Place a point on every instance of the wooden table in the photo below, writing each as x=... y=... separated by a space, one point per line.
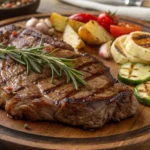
x=56 y=6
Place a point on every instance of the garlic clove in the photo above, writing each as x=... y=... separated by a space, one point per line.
x=104 y=50
x=41 y=26
x=48 y=22
x=32 y=23
x=41 y=20
x=51 y=31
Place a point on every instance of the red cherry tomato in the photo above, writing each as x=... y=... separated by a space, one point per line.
x=105 y=20
x=83 y=17
x=123 y=28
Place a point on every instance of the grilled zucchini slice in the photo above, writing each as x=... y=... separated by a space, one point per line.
x=142 y=93
x=134 y=73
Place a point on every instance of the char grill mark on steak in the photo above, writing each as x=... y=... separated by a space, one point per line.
x=90 y=71
x=12 y=71
x=62 y=90
x=15 y=75
x=21 y=81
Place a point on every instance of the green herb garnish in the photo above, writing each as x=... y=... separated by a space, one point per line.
x=35 y=59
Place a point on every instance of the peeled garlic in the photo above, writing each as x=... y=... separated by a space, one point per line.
x=41 y=20
x=104 y=50
x=48 y=22
x=51 y=31
x=31 y=23
x=41 y=26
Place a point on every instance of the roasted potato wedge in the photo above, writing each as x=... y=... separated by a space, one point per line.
x=58 y=21
x=75 y=24
x=72 y=38
x=94 y=34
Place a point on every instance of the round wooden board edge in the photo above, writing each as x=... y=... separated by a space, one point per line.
x=44 y=142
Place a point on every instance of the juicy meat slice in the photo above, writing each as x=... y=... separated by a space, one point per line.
x=34 y=97
x=29 y=38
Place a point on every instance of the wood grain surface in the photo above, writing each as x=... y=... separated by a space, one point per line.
x=131 y=133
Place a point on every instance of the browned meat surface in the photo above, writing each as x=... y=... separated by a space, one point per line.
x=29 y=38
x=34 y=97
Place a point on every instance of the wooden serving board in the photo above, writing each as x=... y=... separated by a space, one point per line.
x=131 y=133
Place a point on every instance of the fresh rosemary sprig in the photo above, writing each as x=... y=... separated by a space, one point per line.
x=35 y=59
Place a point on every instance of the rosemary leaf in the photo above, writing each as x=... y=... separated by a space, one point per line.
x=57 y=49
x=10 y=47
x=35 y=59
x=27 y=64
x=2 y=56
x=34 y=66
x=41 y=42
x=13 y=56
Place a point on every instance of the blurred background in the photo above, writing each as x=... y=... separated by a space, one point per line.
x=52 y=5
x=11 y=8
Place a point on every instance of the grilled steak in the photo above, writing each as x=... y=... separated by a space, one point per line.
x=34 y=97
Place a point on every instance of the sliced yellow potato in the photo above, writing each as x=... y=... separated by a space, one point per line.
x=58 y=21
x=138 y=45
x=94 y=34
x=72 y=38
x=75 y=24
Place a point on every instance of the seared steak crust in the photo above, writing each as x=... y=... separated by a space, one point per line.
x=34 y=97
x=29 y=38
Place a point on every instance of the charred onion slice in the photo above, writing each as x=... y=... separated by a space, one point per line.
x=138 y=45
x=142 y=92
x=134 y=73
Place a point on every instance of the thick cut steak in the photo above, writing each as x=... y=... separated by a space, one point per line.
x=34 y=97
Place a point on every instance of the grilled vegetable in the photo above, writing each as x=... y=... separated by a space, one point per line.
x=134 y=73
x=106 y=20
x=83 y=17
x=123 y=28
x=75 y=24
x=138 y=45
x=72 y=38
x=58 y=21
x=94 y=34
x=120 y=53
x=142 y=93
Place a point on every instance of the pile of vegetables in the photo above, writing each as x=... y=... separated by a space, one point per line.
x=81 y=29
x=109 y=21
